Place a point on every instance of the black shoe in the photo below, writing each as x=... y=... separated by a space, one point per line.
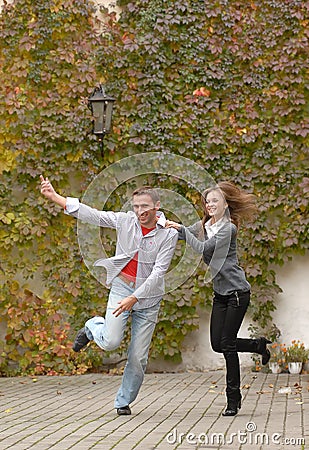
x=81 y=340
x=232 y=408
x=263 y=350
x=124 y=411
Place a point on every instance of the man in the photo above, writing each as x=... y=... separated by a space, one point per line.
x=144 y=251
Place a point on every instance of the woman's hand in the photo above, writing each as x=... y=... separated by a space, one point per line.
x=171 y=224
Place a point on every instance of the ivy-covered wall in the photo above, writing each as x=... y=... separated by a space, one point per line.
x=222 y=83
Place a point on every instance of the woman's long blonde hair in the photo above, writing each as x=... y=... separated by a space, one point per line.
x=241 y=205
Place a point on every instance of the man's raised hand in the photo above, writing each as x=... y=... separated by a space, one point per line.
x=46 y=187
x=49 y=192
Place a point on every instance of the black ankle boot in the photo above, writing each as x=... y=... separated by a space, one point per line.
x=263 y=350
x=232 y=408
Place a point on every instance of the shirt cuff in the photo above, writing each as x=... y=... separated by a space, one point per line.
x=72 y=205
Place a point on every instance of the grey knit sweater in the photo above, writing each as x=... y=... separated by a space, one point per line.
x=220 y=254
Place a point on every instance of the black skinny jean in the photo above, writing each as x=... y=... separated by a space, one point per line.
x=227 y=315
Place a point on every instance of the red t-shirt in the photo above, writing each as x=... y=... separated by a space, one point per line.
x=130 y=269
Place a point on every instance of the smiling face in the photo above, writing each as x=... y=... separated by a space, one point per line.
x=146 y=210
x=215 y=205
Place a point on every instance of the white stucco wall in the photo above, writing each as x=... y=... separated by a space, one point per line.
x=291 y=317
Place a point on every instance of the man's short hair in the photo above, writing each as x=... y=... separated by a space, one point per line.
x=147 y=190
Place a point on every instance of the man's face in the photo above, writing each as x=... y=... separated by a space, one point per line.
x=146 y=210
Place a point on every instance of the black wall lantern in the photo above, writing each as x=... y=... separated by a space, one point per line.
x=101 y=106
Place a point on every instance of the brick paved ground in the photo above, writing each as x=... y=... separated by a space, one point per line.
x=172 y=411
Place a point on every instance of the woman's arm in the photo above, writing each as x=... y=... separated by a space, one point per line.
x=196 y=229
x=220 y=241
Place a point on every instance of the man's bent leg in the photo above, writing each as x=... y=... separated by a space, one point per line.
x=108 y=332
x=143 y=325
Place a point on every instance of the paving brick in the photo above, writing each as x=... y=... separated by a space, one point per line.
x=172 y=411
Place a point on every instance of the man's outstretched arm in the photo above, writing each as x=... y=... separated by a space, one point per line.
x=49 y=192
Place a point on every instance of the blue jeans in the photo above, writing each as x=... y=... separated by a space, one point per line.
x=108 y=333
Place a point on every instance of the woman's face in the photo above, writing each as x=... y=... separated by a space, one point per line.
x=215 y=205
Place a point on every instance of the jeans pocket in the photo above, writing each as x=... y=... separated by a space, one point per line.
x=151 y=314
x=242 y=299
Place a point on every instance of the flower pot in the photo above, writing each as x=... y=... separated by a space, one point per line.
x=295 y=367
x=274 y=367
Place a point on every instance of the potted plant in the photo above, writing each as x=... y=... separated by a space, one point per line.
x=277 y=360
x=297 y=354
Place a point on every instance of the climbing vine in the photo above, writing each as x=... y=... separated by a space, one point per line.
x=222 y=83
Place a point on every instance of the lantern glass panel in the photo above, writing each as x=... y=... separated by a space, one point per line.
x=98 y=114
x=108 y=115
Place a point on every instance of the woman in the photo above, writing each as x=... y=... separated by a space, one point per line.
x=224 y=207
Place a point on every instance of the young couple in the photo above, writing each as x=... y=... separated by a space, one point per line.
x=145 y=246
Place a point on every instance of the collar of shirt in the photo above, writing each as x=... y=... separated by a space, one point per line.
x=212 y=230
x=161 y=219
